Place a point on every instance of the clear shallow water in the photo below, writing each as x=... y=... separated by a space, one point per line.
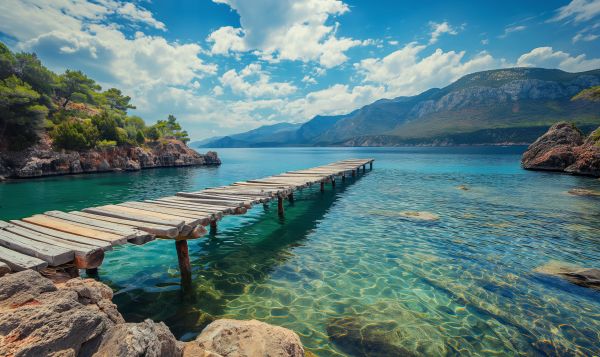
x=461 y=285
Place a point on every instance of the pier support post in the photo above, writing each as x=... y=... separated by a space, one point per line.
x=280 y=210
x=213 y=226
x=333 y=182
x=370 y=165
x=322 y=186
x=353 y=173
x=344 y=178
x=185 y=268
x=291 y=197
x=364 y=168
x=92 y=272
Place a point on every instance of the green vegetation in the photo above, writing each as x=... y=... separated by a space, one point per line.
x=70 y=107
x=592 y=94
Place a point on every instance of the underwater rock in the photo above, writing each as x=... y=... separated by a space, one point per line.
x=421 y=216
x=586 y=277
x=584 y=192
x=233 y=338
x=462 y=187
x=360 y=338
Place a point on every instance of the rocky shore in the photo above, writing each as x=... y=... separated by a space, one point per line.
x=565 y=148
x=78 y=318
x=42 y=160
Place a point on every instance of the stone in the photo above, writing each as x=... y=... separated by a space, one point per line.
x=4 y=269
x=585 y=277
x=463 y=187
x=584 y=192
x=564 y=148
x=233 y=338
x=358 y=338
x=419 y=215
x=191 y=349
x=148 y=338
x=19 y=288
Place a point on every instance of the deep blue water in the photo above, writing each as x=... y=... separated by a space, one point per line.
x=463 y=284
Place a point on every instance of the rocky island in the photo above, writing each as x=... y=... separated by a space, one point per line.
x=565 y=148
x=57 y=124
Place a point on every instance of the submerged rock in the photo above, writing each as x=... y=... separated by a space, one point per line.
x=233 y=338
x=564 y=148
x=586 y=277
x=462 y=187
x=359 y=338
x=415 y=215
x=584 y=192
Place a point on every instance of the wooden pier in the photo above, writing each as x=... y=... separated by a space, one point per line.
x=80 y=238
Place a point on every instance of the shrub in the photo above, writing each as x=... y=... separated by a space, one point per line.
x=106 y=144
x=139 y=137
x=75 y=135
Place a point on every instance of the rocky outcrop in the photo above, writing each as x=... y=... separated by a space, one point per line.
x=586 y=277
x=233 y=338
x=564 y=148
x=42 y=160
x=78 y=318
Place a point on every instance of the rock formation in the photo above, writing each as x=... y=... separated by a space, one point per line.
x=78 y=318
x=564 y=148
x=586 y=277
x=42 y=160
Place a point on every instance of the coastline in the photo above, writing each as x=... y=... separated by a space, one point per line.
x=41 y=160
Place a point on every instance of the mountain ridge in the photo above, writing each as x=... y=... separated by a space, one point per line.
x=513 y=105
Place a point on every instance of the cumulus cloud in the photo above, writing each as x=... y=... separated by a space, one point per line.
x=578 y=11
x=548 y=58
x=439 y=29
x=285 y=30
x=406 y=72
x=253 y=82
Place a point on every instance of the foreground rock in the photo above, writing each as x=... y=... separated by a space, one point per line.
x=233 y=338
x=42 y=160
x=564 y=148
x=78 y=318
x=586 y=277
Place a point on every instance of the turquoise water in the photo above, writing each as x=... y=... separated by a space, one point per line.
x=345 y=259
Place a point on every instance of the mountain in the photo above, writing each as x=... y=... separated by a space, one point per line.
x=514 y=105
x=267 y=135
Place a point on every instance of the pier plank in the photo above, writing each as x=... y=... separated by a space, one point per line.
x=155 y=229
x=4 y=269
x=18 y=262
x=186 y=220
x=203 y=218
x=110 y=211
x=49 y=222
x=63 y=235
x=51 y=254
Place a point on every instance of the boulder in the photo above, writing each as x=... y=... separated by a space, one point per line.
x=564 y=148
x=148 y=338
x=233 y=338
x=586 y=277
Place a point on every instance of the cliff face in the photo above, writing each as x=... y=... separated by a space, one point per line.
x=41 y=160
x=564 y=148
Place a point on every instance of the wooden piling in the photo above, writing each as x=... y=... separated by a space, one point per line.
x=343 y=178
x=364 y=168
x=280 y=210
x=213 y=226
x=291 y=197
x=371 y=166
x=322 y=186
x=333 y=182
x=353 y=173
x=185 y=268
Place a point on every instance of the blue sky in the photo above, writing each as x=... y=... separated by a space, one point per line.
x=226 y=66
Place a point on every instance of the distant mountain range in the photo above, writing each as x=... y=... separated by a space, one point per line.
x=505 y=106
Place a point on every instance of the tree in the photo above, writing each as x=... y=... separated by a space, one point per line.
x=107 y=126
x=76 y=86
x=75 y=134
x=7 y=62
x=31 y=70
x=21 y=115
x=117 y=101
x=140 y=138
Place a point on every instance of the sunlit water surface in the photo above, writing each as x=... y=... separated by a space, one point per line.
x=464 y=284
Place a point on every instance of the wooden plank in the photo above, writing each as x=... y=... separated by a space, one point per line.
x=159 y=230
x=191 y=202
x=51 y=254
x=187 y=207
x=3 y=224
x=49 y=222
x=63 y=235
x=185 y=220
x=127 y=232
x=204 y=217
x=222 y=202
x=133 y=235
x=86 y=257
x=106 y=211
x=251 y=200
x=18 y=262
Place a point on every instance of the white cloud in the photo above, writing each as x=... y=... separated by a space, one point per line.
x=217 y=91
x=485 y=41
x=584 y=37
x=285 y=30
x=309 y=80
x=253 y=82
x=393 y=42
x=578 y=11
x=439 y=29
x=511 y=29
x=134 y=13
x=405 y=72
x=548 y=58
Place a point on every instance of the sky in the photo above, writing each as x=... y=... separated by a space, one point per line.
x=227 y=66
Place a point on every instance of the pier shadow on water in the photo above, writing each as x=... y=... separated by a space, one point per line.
x=244 y=250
